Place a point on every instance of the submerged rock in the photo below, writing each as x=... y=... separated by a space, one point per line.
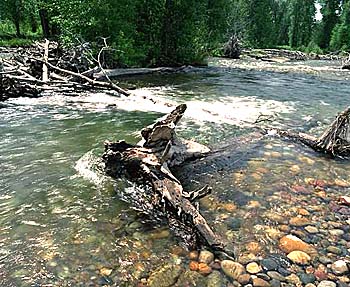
x=165 y=276
x=206 y=257
x=340 y=267
x=299 y=257
x=232 y=269
x=291 y=243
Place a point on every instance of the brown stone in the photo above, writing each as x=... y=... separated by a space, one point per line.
x=204 y=269
x=232 y=269
x=299 y=257
x=258 y=282
x=244 y=279
x=254 y=247
x=193 y=255
x=291 y=243
x=299 y=221
x=253 y=268
x=193 y=265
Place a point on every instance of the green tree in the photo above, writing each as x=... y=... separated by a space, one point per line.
x=13 y=11
x=330 y=12
x=302 y=19
x=341 y=33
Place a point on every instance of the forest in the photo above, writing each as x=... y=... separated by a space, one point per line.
x=177 y=32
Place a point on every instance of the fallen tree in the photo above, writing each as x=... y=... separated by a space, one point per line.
x=45 y=67
x=150 y=164
x=335 y=140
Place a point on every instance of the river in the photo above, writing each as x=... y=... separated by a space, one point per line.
x=61 y=222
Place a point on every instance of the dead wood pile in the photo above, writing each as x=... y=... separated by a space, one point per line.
x=46 y=68
x=149 y=165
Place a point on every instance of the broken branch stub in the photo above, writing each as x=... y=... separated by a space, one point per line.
x=145 y=166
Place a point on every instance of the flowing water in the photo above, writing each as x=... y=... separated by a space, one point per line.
x=61 y=222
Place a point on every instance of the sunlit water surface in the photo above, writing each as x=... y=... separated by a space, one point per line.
x=61 y=222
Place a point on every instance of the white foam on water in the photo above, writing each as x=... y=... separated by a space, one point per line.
x=233 y=110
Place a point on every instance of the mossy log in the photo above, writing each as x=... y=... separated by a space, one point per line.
x=149 y=165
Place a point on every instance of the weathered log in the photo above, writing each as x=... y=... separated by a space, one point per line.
x=335 y=141
x=148 y=166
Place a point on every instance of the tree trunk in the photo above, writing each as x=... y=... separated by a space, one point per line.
x=44 y=22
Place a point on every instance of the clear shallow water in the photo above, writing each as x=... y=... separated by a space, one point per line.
x=62 y=224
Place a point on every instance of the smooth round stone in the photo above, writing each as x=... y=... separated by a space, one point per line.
x=253 y=268
x=324 y=260
x=244 y=279
x=232 y=269
x=311 y=229
x=206 y=257
x=275 y=275
x=299 y=221
x=327 y=283
x=291 y=243
x=310 y=285
x=258 y=282
x=339 y=267
x=307 y=278
x=269 y=264
x=334 y=250
x=336 y=232
x=284 y=271
x=294 y=279
x=299 y=257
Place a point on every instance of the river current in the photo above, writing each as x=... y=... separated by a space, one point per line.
x=61 y=222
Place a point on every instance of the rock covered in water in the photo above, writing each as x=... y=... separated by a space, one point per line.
x=189 y=278
x=165 y=276
x=291 y=243
x=253 y=268
x=214 y=279
x=327 y=283
x=340 y=267
x=206 y=257
x=299 y=257
x=232 y=269
x=258 y=282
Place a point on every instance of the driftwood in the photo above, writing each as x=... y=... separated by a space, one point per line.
x=42 y=68
x=335 y=141
x=149 y=165
x=233 y=48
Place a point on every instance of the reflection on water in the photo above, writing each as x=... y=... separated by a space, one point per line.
x=61 y=222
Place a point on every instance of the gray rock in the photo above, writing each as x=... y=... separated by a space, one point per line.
x=275 y=283
x=269 y=264
x=275 y=275
x=307 y=278
x=327 y=283
x=334 y=250
x=325 y=260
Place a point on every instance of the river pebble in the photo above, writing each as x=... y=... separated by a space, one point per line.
x=311 y=229
x=253 y=268
x=340 y=267
x=206 y=257
x=232 y=269
x=244 y=279
x=327 y=283
x=299 y=257
x=215 y=279
x=275 y=275
x=258 y=282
